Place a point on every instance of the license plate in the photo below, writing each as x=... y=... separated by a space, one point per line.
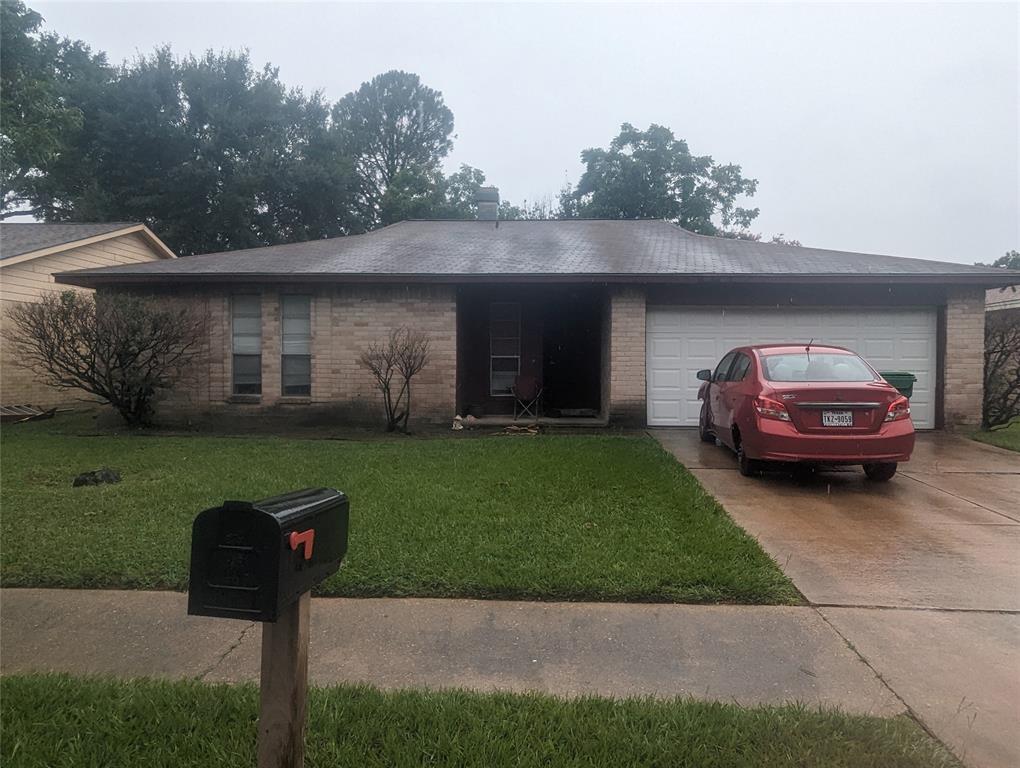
x=837 y=418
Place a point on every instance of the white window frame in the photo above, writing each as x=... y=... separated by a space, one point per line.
x=517 y=307
x=284 y=341
x=234 y=354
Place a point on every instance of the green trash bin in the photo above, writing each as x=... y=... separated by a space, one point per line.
x=902 y=380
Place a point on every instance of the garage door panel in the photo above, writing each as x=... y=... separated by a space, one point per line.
x=701 y=348
x=683 y=341
x=915 y=349
x=879 y=351
x=666 y=379
x=667 y=348
x=664 y=410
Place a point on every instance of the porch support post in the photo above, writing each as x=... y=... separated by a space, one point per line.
x=626 y=359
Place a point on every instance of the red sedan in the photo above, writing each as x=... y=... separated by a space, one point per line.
x=805 y=404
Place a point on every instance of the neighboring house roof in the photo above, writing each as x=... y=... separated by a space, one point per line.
x=603 y=250
x=19 y=242
x=1003 y=298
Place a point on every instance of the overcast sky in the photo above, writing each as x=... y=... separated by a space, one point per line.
x=878 y=128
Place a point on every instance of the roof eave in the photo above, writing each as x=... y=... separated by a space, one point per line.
x=95 y=280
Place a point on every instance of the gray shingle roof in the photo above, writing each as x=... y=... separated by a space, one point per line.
x=459 y=251
x=17 y=238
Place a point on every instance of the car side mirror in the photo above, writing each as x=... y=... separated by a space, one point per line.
x=705 y=374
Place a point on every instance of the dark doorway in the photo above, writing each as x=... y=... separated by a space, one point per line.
x=550 y=332
x=571 y=364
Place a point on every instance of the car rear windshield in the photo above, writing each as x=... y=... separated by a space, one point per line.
x=815 y=366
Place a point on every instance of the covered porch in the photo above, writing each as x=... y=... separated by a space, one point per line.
x=552 y=337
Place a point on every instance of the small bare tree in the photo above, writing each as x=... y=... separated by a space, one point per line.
x=123 y=349
x=1002 y=369
x=396 y=361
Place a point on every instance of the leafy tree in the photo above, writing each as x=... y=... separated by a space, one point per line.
x=1010 y=260
x=652 y=174
x=459 y=192
x=38 y=72
x=744 y=234
x=314 y=192
x=397 y=130
x=215 y=154
x=536 y=211
x=124 y=349
x=210 y=152
x=431 y=195
x=411 y=194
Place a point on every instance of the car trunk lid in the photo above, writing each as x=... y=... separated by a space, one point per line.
x=836 y=409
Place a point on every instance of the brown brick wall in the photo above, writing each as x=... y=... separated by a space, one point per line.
x=963 y=377
x=345 y=321
x=627 y=356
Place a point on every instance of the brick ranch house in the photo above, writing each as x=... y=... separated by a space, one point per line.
x=29 y=256
x=614 y=317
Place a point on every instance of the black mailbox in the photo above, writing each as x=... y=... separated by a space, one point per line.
x=249 y=559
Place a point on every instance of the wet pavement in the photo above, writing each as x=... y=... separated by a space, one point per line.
x=920 y=574
x=567 y=649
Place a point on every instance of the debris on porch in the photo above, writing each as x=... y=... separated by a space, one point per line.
x=514 y=429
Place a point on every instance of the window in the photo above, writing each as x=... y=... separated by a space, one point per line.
x=816 y=366
x=723 y=368
x=296 y=363
x=246 y=345
x=739 y=369
x=504 y=347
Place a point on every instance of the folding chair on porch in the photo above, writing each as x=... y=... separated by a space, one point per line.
x=527 y=391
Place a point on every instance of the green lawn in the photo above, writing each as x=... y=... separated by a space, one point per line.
x=552 y=517
x=56 y=721
x=1009 y=437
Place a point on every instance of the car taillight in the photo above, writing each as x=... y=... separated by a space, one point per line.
x=898 y=409
x=771 y=409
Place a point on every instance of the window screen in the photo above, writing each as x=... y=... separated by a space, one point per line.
x=504 y=347
x=246 y=344
x=296 y=362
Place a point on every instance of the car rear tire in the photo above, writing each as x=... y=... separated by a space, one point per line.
x=704 y=432
x=748 y=467
x=881 y=472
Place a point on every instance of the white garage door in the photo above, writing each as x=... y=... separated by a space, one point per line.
x=682 y=341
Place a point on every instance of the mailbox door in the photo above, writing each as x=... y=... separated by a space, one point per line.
x=234 y=563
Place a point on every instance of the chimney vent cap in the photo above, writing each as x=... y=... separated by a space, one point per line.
x=487 y=195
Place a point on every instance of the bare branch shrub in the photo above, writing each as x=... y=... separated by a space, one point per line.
x=123 y=349
x=395 y=362
x=1002 y=369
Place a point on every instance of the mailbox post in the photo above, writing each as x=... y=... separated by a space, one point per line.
x=259 y=561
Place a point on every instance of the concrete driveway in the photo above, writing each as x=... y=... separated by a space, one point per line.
x=920 y=575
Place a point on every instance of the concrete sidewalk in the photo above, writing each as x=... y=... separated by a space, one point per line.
x=746 y=654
